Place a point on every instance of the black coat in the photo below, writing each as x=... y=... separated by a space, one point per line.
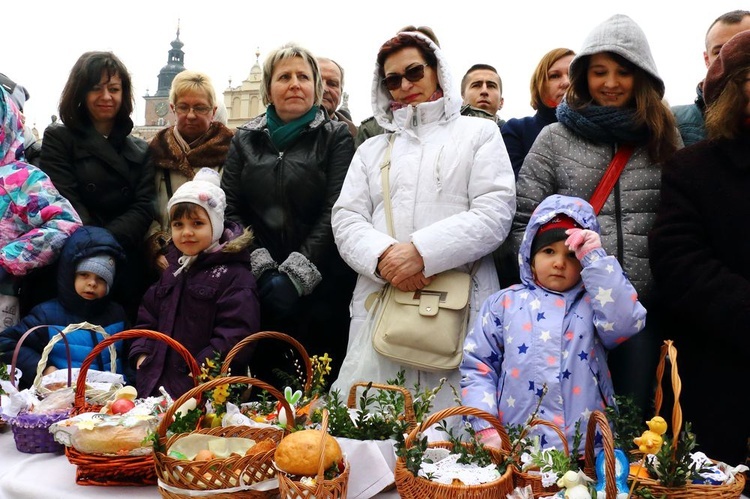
x=699 y=251
x=286 y=198
x=109 y=181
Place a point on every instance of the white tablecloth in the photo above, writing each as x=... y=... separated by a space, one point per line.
x=36 y=476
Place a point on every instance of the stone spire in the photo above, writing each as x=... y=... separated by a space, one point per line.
x=175 y=65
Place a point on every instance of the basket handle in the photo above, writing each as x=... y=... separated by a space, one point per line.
x=548 y=424
x=262 y=335
x=44 y=357
x=197 y=390
x=409 y=415
x=61 y=335
x=460 y=410
x=598 y=420
x=668 y=350
x=80 y=397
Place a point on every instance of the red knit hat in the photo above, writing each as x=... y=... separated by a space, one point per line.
x=553 y=231
x=734 y=55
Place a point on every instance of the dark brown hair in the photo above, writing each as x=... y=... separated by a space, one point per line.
x=650 y=111
x=184 y=209
x=86 y=74
x=478 y=67
x=725 y=115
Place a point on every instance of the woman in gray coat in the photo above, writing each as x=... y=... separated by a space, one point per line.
x=614 y=100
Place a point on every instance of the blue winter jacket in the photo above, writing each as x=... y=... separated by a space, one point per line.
x=526 y=336
x=67 y=308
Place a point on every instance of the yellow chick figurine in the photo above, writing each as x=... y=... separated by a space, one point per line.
x=651 y=440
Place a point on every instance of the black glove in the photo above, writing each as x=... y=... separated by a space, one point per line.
x=277 y=293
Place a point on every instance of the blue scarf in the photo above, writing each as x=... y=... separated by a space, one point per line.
x=603 y=124
x=283 y=134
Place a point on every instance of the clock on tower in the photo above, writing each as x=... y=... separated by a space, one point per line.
x=161 y=109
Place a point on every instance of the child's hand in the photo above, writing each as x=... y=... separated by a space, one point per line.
x=582 y=241
x=48 y=369
x=490 y=438
x=140 y=360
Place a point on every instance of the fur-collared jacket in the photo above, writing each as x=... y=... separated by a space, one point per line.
x=208 y=307
x=173 y=166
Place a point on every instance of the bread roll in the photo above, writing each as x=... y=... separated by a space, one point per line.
x=299 y=453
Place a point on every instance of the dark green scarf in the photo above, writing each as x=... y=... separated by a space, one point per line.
x=282 y=134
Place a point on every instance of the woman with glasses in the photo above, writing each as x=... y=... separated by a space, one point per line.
x=103 y=170
x=452 y=194
x=282 y=175
x=195 y=141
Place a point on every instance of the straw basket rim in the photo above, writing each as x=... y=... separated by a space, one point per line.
x=415 y=487
x=691 y=490
x=334 y=488
x=93 y=469
x=524 y=478
x=213 y=475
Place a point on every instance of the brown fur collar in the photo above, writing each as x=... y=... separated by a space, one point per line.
x=208 y=151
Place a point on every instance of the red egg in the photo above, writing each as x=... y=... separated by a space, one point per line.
x=121 y=406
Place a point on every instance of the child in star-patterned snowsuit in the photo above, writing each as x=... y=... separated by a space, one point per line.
x=555 y=328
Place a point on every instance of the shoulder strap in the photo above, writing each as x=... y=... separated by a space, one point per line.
x=609 y=179
x=385 y=168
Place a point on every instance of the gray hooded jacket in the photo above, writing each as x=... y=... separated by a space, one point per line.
x=563 y=162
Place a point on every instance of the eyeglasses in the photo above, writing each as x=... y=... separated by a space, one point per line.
x=198 y=110
x=413 y=74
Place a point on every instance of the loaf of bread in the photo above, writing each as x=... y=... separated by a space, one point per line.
x=110 y=439
x=299 y=453
x=94 y=433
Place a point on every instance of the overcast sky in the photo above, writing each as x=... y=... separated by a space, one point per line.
x=47 y=36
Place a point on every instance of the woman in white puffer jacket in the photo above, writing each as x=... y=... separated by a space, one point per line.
x=453 y=199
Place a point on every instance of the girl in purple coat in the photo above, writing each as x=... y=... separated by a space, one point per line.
x=206 y=299
x=574 y=304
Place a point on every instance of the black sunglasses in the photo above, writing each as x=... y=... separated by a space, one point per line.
x=413 y=74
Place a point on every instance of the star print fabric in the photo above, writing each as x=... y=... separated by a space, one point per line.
x=526 y=336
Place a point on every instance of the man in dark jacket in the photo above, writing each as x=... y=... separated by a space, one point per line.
x=689 y=117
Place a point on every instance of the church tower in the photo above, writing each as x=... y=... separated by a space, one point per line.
x=243 y=102
x=157 y=105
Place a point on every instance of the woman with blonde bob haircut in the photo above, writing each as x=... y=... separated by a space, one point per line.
x=179 y=151
x=283 y=53
x=282 y=176
x=699 y=251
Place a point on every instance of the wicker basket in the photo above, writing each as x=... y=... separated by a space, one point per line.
x=117 y=470
x=690 y=491
x=218 y=478
x=598 y=422
x=409 y=416
x=413 y=487
x=534 y=480
x=30 y=430
x=334 y=488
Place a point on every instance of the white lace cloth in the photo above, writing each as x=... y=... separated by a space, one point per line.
x=444 y=468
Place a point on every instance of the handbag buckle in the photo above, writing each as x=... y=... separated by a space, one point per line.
x=429 y=301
